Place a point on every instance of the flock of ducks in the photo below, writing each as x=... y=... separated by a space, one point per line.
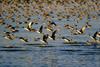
x=50 y=26
x=10 y=35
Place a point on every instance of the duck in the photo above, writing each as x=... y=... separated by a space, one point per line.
x=88 y=25
x=94 y=37
x=44 y=39
x=96 y=34
x=52 y=23
x=30 y=24
x=23 y=39
x=8 y=26
x=9 y=36
x=40 y=29
x=78 y=32
x=66 y=40
x=49 y=27
x=67 y=26
x=29 y=27
x=13 y=30
x=53 y=35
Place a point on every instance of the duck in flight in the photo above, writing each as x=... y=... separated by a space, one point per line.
x=96 y=34
x=49 y=28
x=78 y=32
x=52 y=23
x=40 y=29
x=66 y=40
x=53 y=35
x=23 y=39
x=11 y=28
x=88 y=25
x=44 y=39
x=95 y=37
x=29 y=27
x=9 y=36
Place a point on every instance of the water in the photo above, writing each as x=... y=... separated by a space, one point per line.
x=59 y=56
x=54 y=54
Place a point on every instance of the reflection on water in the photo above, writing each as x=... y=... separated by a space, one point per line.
x=60 y=56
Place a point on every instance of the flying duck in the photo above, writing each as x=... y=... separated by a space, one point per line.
x=53 y=35
x=9 y=36
x=44 y=39
x=29 y=27
x=40 y=29
x=81 y=31
x=23 y=39
x=96 y=34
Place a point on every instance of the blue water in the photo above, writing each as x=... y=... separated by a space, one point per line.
x=59 y=56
